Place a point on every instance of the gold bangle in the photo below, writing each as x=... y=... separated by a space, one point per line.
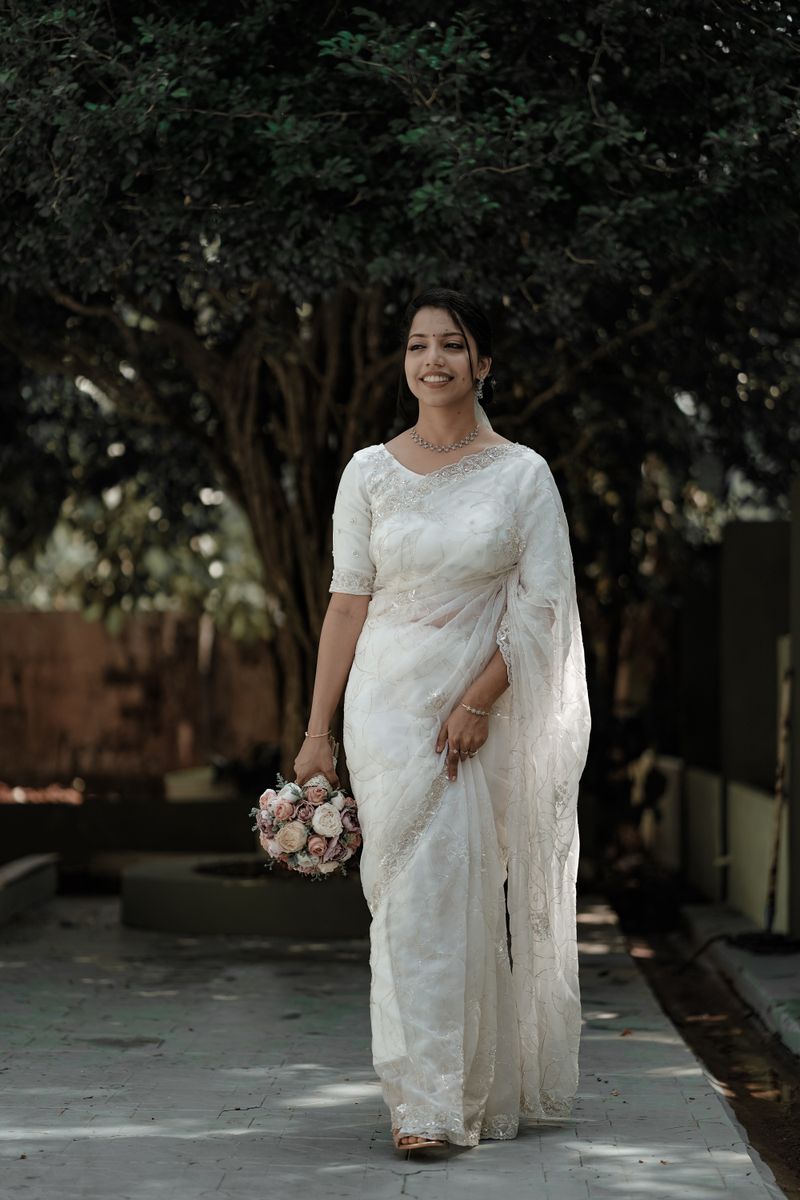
x=325 y=734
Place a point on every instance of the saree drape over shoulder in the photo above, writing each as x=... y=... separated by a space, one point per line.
x=472 y=556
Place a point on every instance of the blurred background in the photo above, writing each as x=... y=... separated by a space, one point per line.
x=211 y=221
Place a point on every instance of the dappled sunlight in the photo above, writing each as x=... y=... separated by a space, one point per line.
x=595 y=914
x=277 y=1071
x=174 y=1127
x=103 y=1092
x=670 y=1072
x=311 y=1109
x=594 y=948
x=330 y=1094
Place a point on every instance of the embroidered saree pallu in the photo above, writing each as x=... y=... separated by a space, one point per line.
x=474 y=555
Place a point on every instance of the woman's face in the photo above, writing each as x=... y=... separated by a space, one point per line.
x=437 y=364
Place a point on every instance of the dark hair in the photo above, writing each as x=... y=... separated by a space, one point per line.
x=468 y=316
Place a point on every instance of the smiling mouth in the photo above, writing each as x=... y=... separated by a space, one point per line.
x=434 y=379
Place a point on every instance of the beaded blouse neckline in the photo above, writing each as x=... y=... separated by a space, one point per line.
x=489 y=452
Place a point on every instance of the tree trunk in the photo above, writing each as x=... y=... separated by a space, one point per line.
x=296 y=394
x=291 y=422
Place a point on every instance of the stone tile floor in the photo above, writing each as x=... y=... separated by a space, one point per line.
x=139 y=1065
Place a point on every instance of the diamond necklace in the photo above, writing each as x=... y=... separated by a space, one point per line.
x=453 y=445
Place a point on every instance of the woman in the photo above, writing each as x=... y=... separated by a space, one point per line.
x=454 y=626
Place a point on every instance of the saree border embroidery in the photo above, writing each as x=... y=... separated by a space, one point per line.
x=504 y=642
x=393 y=861
x=500 y=1127
x=394 y=491
x=344 y=580
x=431 y=1121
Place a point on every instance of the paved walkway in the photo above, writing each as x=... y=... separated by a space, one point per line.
x=137 y=1065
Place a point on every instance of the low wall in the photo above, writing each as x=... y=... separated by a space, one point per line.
x=751 y=828
x=77 y=833
x=708 y=808
x=703 y=838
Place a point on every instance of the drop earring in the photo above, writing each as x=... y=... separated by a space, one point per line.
x=479 y=390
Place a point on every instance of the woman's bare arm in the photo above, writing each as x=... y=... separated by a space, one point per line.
x=337 y=645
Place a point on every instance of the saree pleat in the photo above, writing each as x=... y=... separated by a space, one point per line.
x=462 y=1043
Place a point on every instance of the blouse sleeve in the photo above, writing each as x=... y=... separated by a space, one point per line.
x=353 y=568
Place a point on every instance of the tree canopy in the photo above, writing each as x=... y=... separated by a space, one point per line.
x=214 y=215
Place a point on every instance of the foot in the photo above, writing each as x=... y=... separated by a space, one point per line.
x=415 y=1141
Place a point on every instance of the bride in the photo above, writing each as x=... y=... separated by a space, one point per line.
x=454 y=632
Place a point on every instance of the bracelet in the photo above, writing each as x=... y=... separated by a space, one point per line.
x=479 y=712
x=325 y=734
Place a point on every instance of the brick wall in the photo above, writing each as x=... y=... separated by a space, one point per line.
x=74 y=700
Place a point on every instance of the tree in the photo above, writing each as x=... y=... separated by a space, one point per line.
x=90 y=519
x=215 y=218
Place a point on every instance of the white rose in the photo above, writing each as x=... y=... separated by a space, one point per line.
x=338 y=801
x=326 y=821
x=290 y=791
x=326 y=868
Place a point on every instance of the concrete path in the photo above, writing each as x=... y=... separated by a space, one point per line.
x=136 y=1066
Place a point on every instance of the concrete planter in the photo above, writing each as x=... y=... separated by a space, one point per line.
x=170 y=893
x=27 y=881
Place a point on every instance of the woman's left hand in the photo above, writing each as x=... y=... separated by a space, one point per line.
x=464 y=733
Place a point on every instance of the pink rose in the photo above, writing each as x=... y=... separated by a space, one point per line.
x=304 y=812
x=265 y=797
x=283 y=809
x=349 y=820
x=317 y=845
x=316 y=795
x=332 y=850
x=292 y=837
x=353 y=839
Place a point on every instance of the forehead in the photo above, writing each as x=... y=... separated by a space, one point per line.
x=434 y=322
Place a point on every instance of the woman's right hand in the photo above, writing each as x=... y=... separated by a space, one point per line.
x=315 y=758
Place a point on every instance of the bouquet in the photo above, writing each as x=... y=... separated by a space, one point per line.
x=312 y=828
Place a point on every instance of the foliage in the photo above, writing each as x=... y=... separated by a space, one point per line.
x=214 y=215
x=89 y=519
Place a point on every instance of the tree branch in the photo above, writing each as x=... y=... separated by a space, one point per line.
x=604 y=351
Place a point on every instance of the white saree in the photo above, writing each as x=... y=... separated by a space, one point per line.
x=472 y=556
